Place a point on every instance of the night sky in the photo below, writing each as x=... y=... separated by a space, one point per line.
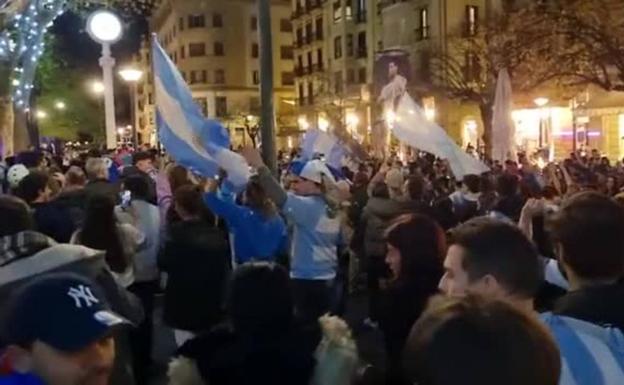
x=82 y=54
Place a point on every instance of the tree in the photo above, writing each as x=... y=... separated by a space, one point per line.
x=23 y=26
x=467 y=68
x=586 y=37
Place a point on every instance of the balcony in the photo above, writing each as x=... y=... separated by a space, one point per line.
x=361 y=53
x=361 y=17
x=299 y=71
x=312 y=4
x=308 y=39
x=299 y=43
x=317 y=67
x=298 y=12
x=319 y=35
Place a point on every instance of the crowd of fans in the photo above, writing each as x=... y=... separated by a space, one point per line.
x=511 y=277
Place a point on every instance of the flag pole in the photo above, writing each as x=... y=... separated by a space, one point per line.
x=267 y=118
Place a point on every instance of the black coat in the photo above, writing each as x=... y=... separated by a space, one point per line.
x=196 y=257
x=600 y=305
x=102 y=186
x=51 y=219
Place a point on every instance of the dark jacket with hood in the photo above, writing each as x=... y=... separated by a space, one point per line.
x=376 y=217
x=196 y=257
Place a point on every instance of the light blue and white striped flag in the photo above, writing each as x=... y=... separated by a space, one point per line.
x=320 y=142
x=199 y=144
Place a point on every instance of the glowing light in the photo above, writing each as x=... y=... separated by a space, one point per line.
x=541 y=163
x=303 y=123
x=323 y=124
x=98 y=87
x=131 y=75
x=290 y=142
x=60 y=105
x=41 y=114
x=352 y=119
x=121 y=131
x=104 y=27
x=541 y=101
x=430 y=113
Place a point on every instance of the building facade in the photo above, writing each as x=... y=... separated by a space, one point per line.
x=334 y=56
x=215 y=45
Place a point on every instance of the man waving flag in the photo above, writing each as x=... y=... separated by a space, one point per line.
x=199 y=144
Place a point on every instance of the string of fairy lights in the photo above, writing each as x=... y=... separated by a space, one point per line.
x=22 y=41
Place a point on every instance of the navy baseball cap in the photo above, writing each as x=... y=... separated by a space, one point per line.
x=65 y=311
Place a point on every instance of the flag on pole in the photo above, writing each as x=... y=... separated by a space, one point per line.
x=320 y=142
x=412 y=127
x=503 y=128
x=199 y=144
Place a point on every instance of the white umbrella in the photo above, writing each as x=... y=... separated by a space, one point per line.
x=503 y=128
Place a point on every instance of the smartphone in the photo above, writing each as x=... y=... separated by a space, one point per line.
x=126 y=197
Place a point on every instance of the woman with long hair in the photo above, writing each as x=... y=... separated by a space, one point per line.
x=416 y=246
x=101 y=231
x=259 y=232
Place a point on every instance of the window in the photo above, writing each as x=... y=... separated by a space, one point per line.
x=254 y=105
x=217 y=20
x=308 y=32
x=300 y=62
x=472 y=67
x=219 y=77
x=183 y=52
x=183 y=75
x=362 y=75
x=337 y=12
x=299 y=37
x=472 y=20
x=197 y=49
x=310 y=63
x=255 y=50
x=255 y=75
x=362 y=49
x=350 y=45
x=288 y=79
x=319 y=58
x=348 y=12
x=254 y=23
x=318 y=26
x=350 y=76
x=423 y=31
x=203 y=105
x=301 y=96
x=181 y=24
x=338 y=47
x=193 y=79
x=311 y=93
x=285 y=25
x=203 y=78
x=338 y=82
x=218 y=49
x=286 y=52
x=221 y=106
x=196 y=21
x=175 y=57
x=361 y=11
x=150 y=98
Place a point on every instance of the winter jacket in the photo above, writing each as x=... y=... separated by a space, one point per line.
x=294 y=357
x=196 y=257
x=74 y=202
x=598 y=305
x=102 y=186
x=377 y=216
x=51 y=219
x=29 y=254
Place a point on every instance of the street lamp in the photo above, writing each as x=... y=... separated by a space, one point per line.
x=105 y=28
x=60 y=105
x=97 y=87
x=541 y=103
x=132 y=77
x=41 y=114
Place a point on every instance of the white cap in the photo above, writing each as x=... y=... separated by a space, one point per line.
x=313 y=170
x=15 y=175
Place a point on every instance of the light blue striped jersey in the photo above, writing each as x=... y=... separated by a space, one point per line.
x=316 y=238
x=590 y=354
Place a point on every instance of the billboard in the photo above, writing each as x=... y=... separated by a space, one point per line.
x=392 y=74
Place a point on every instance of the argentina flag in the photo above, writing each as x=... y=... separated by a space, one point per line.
x=199 y=144
x=319 y=142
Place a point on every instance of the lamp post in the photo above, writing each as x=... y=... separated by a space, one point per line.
x=132 y=77
x=105 y=28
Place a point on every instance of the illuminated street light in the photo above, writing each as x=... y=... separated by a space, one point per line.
x=106 y=28
x=303 y=123
x=541 y=102
x=41 y=114
x=97 y=87
x=131 y=75
x=352 y=119
x=323 y=124
x=60 y=105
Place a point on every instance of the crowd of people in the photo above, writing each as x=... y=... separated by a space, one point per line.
x=511 y=277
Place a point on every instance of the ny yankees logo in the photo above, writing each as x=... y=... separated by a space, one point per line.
x=82 y=293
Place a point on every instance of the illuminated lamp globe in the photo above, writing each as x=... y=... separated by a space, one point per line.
x=104 y=27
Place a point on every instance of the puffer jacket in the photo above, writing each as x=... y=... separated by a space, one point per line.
x=287 y=359
x=377 y=216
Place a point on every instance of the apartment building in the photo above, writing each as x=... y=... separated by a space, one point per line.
x=215 y=45
x=334 y=55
